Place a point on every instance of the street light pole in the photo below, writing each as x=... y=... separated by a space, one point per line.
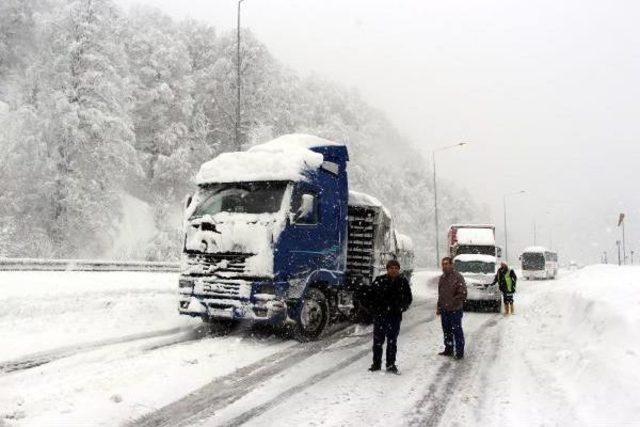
x=435 y=195
x=237 y=138
x=624 y=246
x=435 y=206
x=618 y=245
x=506 y=238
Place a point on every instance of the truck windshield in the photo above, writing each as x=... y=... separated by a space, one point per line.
x=474 y=267
x=477 y=250
x=249 y=197
x=533 y=261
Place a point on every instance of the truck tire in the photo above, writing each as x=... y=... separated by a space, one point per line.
x=497 y=307
x=313 y=317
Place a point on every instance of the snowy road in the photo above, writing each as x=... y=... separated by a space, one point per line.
x=109 y=348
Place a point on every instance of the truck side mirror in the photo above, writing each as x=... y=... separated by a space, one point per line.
x=187 y=200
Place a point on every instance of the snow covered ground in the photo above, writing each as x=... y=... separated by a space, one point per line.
x=109 y=348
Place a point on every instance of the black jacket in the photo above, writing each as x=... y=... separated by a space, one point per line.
x=390 y=297
x=501 y=281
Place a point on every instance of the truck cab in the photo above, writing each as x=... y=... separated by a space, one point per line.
x=475 y=256
x=272 y=235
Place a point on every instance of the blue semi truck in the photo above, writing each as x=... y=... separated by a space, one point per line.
x=273 y=235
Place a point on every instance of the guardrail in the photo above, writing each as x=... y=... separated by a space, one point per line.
x=37 y=264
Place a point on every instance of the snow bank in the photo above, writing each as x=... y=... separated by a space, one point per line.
x=48 y=309
x=286 y=158
x=575 y=343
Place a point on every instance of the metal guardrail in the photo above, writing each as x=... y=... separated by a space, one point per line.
x=37 y=264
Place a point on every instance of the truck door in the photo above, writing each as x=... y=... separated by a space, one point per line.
x=315 y=243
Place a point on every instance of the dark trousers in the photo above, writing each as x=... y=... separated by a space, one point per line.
x=507 y=297
x=452 y=329
x=386 y=327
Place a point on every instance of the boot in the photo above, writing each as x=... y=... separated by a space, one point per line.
x=375 y=367
x=511 y=308
x=506 y=309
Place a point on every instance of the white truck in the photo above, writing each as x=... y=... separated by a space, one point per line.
x=475 y=256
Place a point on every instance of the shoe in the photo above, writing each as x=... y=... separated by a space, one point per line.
x=374 y=367
x=446 y=353
x=459 y=356
x=392 y=369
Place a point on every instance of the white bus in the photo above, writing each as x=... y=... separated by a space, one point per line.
x=539 y=263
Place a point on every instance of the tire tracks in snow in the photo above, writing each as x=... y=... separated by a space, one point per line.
x=183 y=334
x=429 y=410
x=277 y=400
x=225 y=390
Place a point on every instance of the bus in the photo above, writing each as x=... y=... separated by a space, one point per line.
x=539 y=263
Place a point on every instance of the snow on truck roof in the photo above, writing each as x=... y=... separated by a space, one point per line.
x=535 y=249
x=476 y=236
x=285 y=158
x=357 y=198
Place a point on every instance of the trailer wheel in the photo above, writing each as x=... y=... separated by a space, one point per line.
x=313 y=317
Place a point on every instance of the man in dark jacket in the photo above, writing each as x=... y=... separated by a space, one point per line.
x=390 y=297
x=452 y=292
x=506 y=279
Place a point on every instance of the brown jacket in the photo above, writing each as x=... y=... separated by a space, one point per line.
x=452 y=291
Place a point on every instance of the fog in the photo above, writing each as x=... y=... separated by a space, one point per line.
x=545 y=94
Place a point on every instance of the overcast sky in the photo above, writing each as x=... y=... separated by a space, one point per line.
x=546 y=93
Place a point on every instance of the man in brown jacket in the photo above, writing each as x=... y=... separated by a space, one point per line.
x=452 y=292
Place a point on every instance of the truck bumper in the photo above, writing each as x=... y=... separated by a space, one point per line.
x=210 y=298
x=480 y=293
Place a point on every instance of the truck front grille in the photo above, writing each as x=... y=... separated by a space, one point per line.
x=199 y=264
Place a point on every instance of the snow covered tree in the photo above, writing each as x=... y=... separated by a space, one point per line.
x=86 y=124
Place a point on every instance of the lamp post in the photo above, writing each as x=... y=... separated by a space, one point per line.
x=504 y=208
x=435 y=194
x=237 y=138
x=618 y=245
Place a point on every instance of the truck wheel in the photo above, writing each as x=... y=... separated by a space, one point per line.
x=497 y=307
x=313 y=316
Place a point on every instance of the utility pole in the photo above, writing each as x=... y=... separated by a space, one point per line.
x=624 y=246
x=435 y=195
x=237 y=139
x=618 y=245
x=606 y=260
x=631 y=257
x=506 y=238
